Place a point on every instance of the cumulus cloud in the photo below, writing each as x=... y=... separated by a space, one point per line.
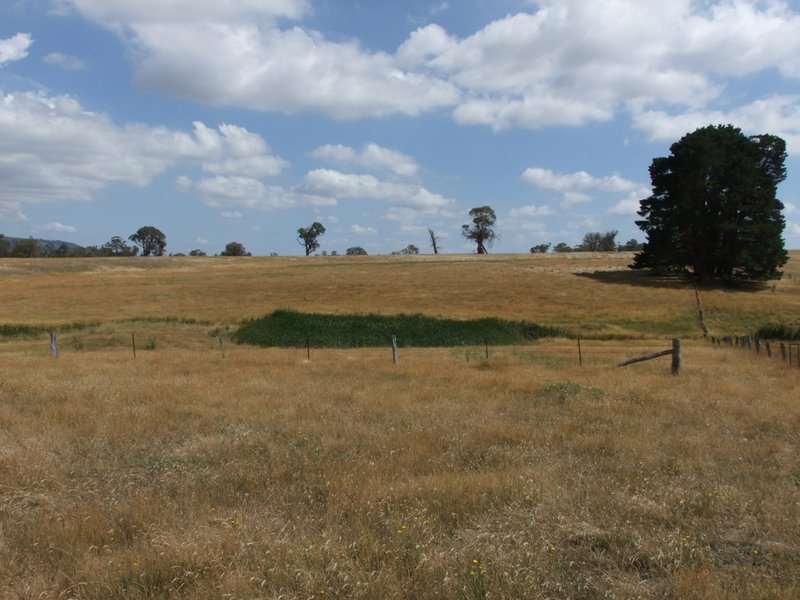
x=64 y=61
x=778 y=115
x=578 y=187
x=564 y=62
x=359 y=230
x=570 y=182
x=531 y=212
x=56 y=227
x=246 y=192
x=15 y=48
x=371 y=156
x=335 y=184
x=54 y=149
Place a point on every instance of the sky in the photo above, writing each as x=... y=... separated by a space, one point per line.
x=244 y=120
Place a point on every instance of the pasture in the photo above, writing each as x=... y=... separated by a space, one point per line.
x=183 y=474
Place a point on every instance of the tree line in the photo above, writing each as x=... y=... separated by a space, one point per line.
x=713 y=215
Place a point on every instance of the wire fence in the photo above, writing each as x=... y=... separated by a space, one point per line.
x=213 y=343
x=788 y=352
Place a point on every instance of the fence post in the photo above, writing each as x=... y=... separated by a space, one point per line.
x=758 y=346
x=580 y=352
x=768 y=346
x=486 y=343
x=53 y=344
x=133 y=343
x=308 y=347
x=783 y=351
x=676 y=357
x=395 y=359
x=221 y=346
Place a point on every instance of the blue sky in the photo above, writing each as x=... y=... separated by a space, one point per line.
x=243 y=120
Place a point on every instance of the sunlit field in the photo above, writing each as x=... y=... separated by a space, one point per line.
x=288 y=473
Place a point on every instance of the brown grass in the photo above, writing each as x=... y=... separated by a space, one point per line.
x=594 y=294
x=264 y=475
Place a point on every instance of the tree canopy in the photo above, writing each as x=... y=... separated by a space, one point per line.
x=481 y=232
x=308 y=237
x=235 y=249
x=713 y=210
x=151 y=240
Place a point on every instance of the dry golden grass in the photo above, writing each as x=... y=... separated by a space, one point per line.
x=181 y=474
x=593 y=294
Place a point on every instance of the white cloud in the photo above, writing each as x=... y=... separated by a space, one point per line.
x=335 y=184
x=627 y=207
x=64 y=61
x=231 y=214
x=371 y=156
x=286 y=71
x=778 y=115
x=580 y=180
x=576 y=188
x=127 y=12
x=15 y=48
x=184 y=183
x=221 y=191
x=359 y=230
x=566 y=62
x=54 y=149
x=531 y=212
x=56 y=227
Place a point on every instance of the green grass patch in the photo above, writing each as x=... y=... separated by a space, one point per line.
x=778 y=331
x=15 y=330
x=285 y=328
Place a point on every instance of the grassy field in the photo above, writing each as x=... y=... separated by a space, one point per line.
x=183 y=474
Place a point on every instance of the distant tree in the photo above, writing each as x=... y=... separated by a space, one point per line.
x=540 y=248
x=116 y=246
x=53 y=249
x=25 y=248
x=481 y=232
x=356 y=251
x=594 y=241
x=714 y=211
x=197 y=253
x=632 y=245
x=410 y=249
x=308 y=237
x=5 y=246
x=434 y=241
x=334 y=253
x=273 y=254
x=151 y=240
x=562 y=247
x=234 y=249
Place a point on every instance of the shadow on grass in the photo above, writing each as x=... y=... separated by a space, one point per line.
x=678 y=282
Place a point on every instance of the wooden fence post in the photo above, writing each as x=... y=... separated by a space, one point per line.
x=676 y=357
x=580 y=352
x=53 y=344
x=758 y=346
x=133 y=343
x=221 y=346
x=308 y=347
x=768 y=346
x=486 y=343
x=395 y=358
x=783 y=351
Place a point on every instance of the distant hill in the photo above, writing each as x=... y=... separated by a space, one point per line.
x=44 y=246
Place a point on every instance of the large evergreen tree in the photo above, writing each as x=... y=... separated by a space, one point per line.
x=714 y=209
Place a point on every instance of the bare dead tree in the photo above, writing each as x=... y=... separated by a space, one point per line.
x=434 y=241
